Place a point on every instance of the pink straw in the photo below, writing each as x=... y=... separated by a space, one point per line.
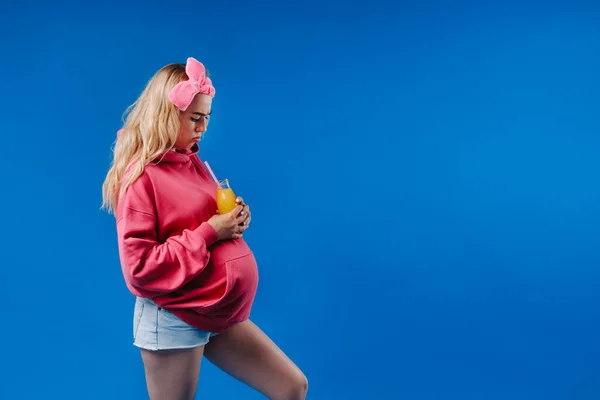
x=212 y=174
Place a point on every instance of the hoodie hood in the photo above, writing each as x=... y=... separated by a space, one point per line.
x=177 y=156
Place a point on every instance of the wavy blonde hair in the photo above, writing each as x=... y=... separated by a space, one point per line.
x=151 y=126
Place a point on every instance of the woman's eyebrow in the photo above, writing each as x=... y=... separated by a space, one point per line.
x=202 y=114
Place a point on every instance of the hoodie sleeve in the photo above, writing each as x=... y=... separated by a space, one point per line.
x=151 y=268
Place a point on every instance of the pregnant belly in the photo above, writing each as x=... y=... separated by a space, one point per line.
x=227 y=250
x=225 y=289
x=234 y=283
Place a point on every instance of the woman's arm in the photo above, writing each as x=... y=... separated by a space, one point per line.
x=152 y=268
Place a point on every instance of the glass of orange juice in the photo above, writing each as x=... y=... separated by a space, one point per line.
x=225 y=198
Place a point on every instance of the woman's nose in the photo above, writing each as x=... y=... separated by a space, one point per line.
x=201 y=126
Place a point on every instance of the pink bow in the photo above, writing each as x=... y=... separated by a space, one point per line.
x=183 y=93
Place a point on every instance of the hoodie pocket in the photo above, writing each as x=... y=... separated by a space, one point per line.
x=242 y=280
x=215 y=303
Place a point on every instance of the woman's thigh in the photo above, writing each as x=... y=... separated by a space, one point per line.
x=248 y=354
x=171 y=351
x=172 y=374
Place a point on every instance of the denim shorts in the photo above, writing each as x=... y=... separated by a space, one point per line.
x=155 y=328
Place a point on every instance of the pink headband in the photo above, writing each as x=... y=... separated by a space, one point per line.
x=183 y=93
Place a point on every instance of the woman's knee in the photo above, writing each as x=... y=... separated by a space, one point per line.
x=302 y=387
x=296 y=389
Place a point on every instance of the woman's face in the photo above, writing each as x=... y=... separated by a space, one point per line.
x=194 y=121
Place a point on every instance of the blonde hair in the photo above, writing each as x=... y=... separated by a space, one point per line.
x=150 y=130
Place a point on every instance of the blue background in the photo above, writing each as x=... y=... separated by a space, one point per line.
x=423 y=179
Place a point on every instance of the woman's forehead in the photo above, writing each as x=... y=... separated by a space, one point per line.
x=201 y=104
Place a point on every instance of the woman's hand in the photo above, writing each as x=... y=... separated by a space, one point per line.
x=233 y=224
x=245 y=212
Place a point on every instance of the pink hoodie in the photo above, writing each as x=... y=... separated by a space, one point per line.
x=169 y=253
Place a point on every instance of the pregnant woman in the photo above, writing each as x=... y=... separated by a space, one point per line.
x=193 y=275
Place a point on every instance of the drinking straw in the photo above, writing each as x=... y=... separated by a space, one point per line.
x=212 y=174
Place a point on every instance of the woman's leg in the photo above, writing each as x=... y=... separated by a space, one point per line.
x=172 y=374
x=246 y=353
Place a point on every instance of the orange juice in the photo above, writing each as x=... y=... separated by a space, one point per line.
x=225 y=200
